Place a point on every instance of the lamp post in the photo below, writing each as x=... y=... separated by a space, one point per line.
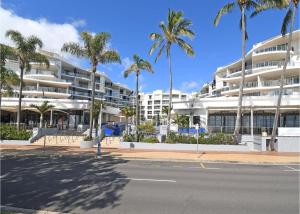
x=197 y=131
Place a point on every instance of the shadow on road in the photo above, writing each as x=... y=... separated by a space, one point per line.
x=62 y=184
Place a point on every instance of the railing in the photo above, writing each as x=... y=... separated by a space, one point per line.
x=45 y=89
x=282 y=47
x=43 y=72
x=239 y=73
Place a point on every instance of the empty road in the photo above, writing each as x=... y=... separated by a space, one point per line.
x=85 y=185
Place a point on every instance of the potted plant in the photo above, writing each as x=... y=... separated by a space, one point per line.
x=87 y=142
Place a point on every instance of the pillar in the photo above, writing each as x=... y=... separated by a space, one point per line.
x=191 y=120
x=251 y=121
x=51 y=117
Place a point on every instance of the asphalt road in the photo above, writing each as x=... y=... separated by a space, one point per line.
x=86 y=185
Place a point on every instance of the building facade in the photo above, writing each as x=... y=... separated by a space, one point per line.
x=67 y=87
x=216 y=104
x=152 y=104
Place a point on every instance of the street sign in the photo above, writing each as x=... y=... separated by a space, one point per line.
x=197 y=126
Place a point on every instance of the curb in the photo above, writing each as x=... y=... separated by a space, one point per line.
x=148 y=159
x=26 y=211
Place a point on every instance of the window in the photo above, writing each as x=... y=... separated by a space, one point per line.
x=149 y=107
x=156 y=101
x=149 y=102
x=149 y=112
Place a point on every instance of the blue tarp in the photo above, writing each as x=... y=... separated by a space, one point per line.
x=191 y=130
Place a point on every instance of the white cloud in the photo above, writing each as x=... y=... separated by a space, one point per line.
x=78 y=23
x=189 y=86
x=53 y=35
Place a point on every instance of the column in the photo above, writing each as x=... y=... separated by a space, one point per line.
x=191 y=120
x=37 y=86
x=251 y=120
x=51 y=117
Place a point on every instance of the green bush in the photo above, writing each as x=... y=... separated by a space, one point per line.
x=87 y=138
x=216 y=138
x=149 y=140
x=129 y=138
x=8 y=132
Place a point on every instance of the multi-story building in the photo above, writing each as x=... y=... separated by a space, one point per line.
x=217 y=101
x=151 y=104
x=67 y=87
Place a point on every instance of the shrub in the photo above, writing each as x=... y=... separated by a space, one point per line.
x=8 y=132
x=147 y=128
x=150 y=140
x=87 y=138
x=129 y=138
x=216 y=138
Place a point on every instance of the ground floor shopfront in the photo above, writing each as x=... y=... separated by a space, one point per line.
x=66 y=114
x=219 y=114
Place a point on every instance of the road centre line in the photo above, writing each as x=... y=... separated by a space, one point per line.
x=291 y=169
x=147 y=179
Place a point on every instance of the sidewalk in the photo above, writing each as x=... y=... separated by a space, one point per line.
x=240 y=157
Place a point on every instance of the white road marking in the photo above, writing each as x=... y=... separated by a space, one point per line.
x=147 y=179
x=291 y=169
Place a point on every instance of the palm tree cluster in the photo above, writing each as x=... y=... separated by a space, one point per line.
x=94 y=47
x=42 y=109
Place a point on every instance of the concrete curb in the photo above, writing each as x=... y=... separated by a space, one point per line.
x=149 y=159
x=26 y=211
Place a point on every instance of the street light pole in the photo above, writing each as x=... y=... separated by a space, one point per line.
x=197 y=129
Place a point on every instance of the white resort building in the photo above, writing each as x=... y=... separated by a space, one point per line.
x=215 y=106
x=68 y=88
x=152 y=104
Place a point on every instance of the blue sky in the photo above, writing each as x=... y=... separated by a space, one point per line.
x=130 y=23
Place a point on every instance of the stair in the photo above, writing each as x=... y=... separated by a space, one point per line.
x=111 y=142
x=60 y=140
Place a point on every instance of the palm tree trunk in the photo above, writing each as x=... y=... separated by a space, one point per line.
x=126 y=118
x=170 y=94
x=100 y=121
x=287 y=58
x=237 y=137
x=92 y=101
x=137 y=106
x=20 y=98
x=41 y=121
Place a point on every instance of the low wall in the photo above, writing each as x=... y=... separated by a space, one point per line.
x=183 y=147
x=288 y=144
x=39 y=132
x=36 y=134
x=14 y=142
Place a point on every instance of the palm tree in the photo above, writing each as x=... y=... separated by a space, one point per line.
x=127 y=112
x=25 y=50
x=95 y=48
x=138 y=65
x=291 y=6
x=242 y=5
x=172 y=33
x=8 y=78
x=42 y=109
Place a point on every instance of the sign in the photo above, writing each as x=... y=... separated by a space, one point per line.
x=197 y=126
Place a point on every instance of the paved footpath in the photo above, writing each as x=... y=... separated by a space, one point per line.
x=242 y=157
x=83 y=184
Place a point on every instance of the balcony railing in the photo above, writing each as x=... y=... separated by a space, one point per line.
x=45 y=89
x=282 y=47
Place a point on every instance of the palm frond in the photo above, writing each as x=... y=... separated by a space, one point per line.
x=162 y=48
x=155 y=45
x=186 y=47
x=132 y=68
x=109 y=56
x=40 y=58
x=15 y=36
x=34 y=41
x=286 y=21
x=74 y=49
x=224 y=10
x=155 y=36
x=269 y=4
x=187 y=32
x=145 y=65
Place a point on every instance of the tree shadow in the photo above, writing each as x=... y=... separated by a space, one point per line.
x=64 y=184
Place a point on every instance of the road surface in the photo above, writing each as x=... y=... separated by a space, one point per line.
x=86 y=185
